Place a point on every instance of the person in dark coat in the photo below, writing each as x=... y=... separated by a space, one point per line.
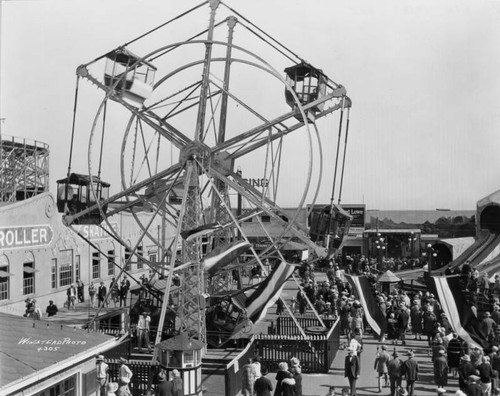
x=485 y=374
x=51 y=308
x=351 y=369
x=453 y=351
x=410 y=371
x=164 y=387
x=403 y=320
x=280 y=376
x=263 y=385
x=296 y=370
x=441 y=369
x=429 y=324
x=392 y=328
x=395 y=369
x=101 y=294
x=288 y=385
x=465 y=370
x=416 y=320
x=474 y=387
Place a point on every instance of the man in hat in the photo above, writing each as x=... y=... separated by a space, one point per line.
x=125 y=371
x=143 y=331
x=380 y=366
x=263 y=385
x=165 y=388
x=488 y=326
x=102 y=375
x=485 y=374
x=71 y=296
x=395 y=370
x=101 y=295
x=351 y=369
x=410 y=371
x=474 y=387
x=51 y=308
x=465 y=370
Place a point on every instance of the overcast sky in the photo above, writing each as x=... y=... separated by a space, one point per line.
x=423 y=77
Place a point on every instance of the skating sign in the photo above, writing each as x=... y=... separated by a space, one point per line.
x=25 y=236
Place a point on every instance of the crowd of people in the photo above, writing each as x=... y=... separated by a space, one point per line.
x=288 y=379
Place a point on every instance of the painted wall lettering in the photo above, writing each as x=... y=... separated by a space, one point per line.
x=18 y=237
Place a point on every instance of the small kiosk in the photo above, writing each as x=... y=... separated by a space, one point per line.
x=184 y=354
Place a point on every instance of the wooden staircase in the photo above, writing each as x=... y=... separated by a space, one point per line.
x=215 y=360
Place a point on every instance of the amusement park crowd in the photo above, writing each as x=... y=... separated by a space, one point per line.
x=415 y=314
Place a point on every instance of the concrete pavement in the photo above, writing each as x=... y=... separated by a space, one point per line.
x=318 y=384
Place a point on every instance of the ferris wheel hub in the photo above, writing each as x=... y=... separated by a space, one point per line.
x=194 y=150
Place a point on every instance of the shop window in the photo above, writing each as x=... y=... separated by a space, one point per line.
x=128 y=260
x=111 y=262
x=96 y=265
x=265 y=218
x=53 y=272
x=4 y=278
x=66 y=387
x=65 y=268
x=140 y=263
x=29 y=274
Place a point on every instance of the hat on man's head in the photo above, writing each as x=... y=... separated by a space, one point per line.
x=123 y=360
x=162 y=377
x=410 y=354
x=487 y=314
x=494 y=348
x=99 y=357
x=294 y=362
x=176 y=373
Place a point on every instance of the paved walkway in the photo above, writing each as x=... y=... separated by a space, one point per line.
x=318 y=384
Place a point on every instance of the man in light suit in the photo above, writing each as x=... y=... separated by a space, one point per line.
x=351 y=369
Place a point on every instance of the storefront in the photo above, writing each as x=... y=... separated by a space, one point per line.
x=40 y=257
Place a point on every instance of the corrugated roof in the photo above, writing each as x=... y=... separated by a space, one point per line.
x=28 y=346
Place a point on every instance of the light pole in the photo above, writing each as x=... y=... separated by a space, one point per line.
x=411 y=242
x=429 y=254
x=381 y=247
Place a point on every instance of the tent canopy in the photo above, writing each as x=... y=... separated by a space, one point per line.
x=388 y=277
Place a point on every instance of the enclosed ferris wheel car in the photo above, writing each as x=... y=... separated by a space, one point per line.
x=78 y=193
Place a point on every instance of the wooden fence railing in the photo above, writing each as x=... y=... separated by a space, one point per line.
x=316 y=352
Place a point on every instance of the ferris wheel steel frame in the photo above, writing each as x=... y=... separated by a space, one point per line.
x=197 y=158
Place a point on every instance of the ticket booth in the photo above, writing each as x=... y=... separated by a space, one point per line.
x=183 y=353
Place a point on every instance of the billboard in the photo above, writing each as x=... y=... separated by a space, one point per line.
x=358 y=213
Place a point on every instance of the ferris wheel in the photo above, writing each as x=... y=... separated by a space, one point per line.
x=186 y=128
